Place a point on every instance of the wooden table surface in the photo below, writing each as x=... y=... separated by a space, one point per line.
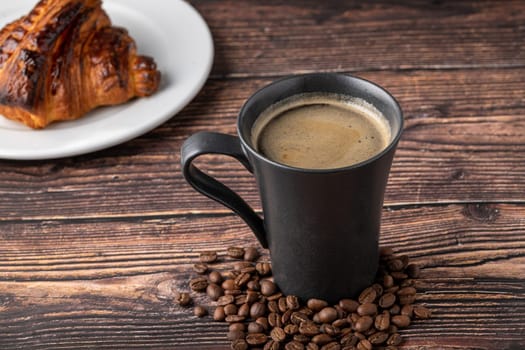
x=88 y=243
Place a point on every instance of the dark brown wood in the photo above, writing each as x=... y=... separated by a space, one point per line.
x=470 y=255
x=93 y=247
x=458 y=140
x=270 y=38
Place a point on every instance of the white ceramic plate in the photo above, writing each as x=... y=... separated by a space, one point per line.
x=172 y=32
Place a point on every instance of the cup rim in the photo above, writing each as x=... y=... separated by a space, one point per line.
x=392 y=144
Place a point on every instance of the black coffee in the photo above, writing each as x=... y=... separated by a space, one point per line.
x=321 y=131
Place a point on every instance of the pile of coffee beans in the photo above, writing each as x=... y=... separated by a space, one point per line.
x=260 y=316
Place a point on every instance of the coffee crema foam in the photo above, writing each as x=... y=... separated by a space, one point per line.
x=321 y=131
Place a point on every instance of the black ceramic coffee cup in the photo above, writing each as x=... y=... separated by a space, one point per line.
x=321 y=226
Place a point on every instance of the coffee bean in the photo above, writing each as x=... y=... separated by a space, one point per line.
x=409 y=282
x=312 y=346
x=240 y=299
x=214 y=291
x=340 y=323
x=340 y=312
x=208 y=257
x=274 y=319
x=363 y=323
x=349 y=340
x=235 y=334
x=349 y=305
x=249 y=270
x=407 y=291
x=184 y=299
x=327 y=315
x=291 y=329
x=407 y=310
x=239 y=326
x=253 y=285
x=215 y=277
x=292 y=302
x=309 y=328
x=382 y=321
x=391 y=347
x=257 y=310
x=272 y=345
x=378 y=338
x=200 y=268
x=251 y=254
x=331 y=346
x=392 y=329
x=294 y=345
x=229 y=284
x=395 y=265
x=275 y=296
x=234 y=318
x=230 y=309
x=422 y=312
x=368 y=295
x=200 y=311
x=273 y=306
x=225 y=300
x=402 y=321
x=398 y=276
x=329 y=329
x=239 y=344
x=388 y=281
x=394 y=339
x=242 y=279
x=278 y=334
x=387 y=300
x=199 y=284
x=406 y=295
x=233 y=292
x=367 y=309
x=254 y=327
x=238 y=266
x=218 y=314
x=285 y=318
x=263 y=268
x=378 y=288
x=322 y=339
x=244 y=310
x=395 y=310
x=251 y=297
x=268 y=287
x=364 y=345
x=263 y=321
x=298 y=317
x=301 y=338
x=235 y=252
x=316 y=304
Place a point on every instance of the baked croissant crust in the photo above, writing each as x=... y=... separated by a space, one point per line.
x=64 y=59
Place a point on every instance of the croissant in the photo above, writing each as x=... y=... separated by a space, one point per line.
x=64 y=59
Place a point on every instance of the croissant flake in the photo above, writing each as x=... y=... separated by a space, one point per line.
x=64 y=59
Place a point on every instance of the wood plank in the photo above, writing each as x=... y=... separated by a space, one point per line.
x=108 y=284
x=279 y=37
x=458 y=145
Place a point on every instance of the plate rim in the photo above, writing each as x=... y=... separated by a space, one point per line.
x=98 y=144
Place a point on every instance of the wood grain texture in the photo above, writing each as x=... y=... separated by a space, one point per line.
x=460 y=144
x=93 y=247
x=280 y=37
x=111 y=283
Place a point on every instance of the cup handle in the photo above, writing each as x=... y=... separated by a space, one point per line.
x=215 y=143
